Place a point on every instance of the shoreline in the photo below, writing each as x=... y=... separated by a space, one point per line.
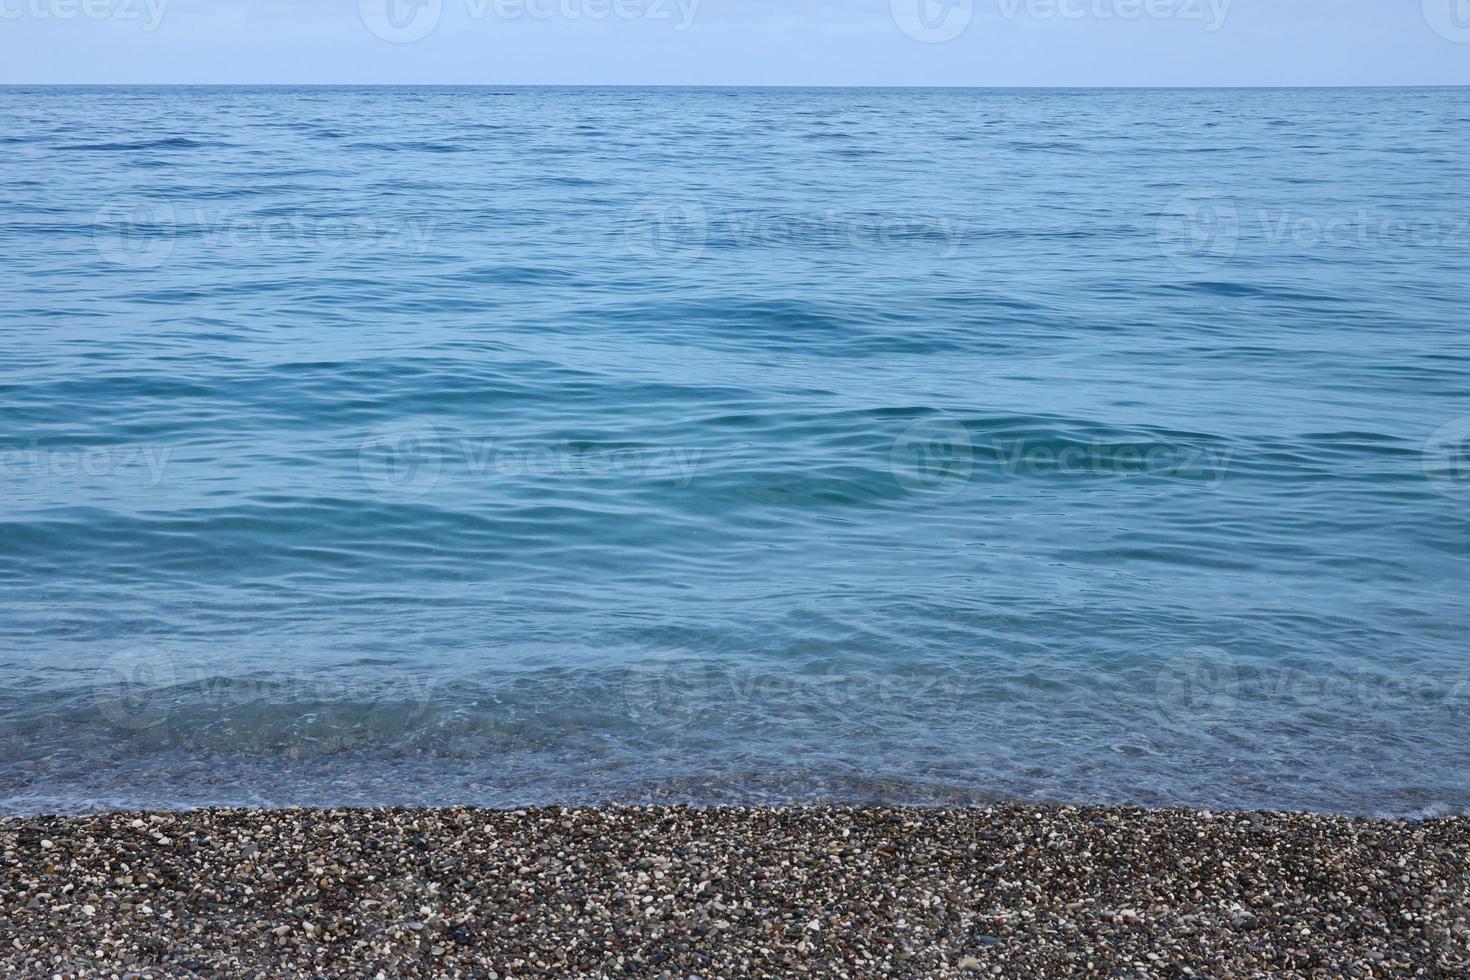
x=1003 y=890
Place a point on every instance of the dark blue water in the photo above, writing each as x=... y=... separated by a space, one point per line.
x=508 y=446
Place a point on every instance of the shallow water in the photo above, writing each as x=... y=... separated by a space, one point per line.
x=370 y=446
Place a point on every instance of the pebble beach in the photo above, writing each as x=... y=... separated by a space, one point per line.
x=733 y=892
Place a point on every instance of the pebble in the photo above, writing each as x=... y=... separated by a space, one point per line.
x=734 y=892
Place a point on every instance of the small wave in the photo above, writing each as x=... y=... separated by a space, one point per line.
x=167 y=143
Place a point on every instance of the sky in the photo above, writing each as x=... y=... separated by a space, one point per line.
x=738 y=42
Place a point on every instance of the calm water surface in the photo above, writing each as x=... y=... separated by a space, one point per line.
x=507 y=446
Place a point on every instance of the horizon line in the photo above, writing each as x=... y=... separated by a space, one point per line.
x=719 y=85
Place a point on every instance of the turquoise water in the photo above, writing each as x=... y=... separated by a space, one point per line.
x=519 y=445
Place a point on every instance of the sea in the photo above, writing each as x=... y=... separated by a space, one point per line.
x=518 y=446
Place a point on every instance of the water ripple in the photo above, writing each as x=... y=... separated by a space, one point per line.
x=418 y=446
